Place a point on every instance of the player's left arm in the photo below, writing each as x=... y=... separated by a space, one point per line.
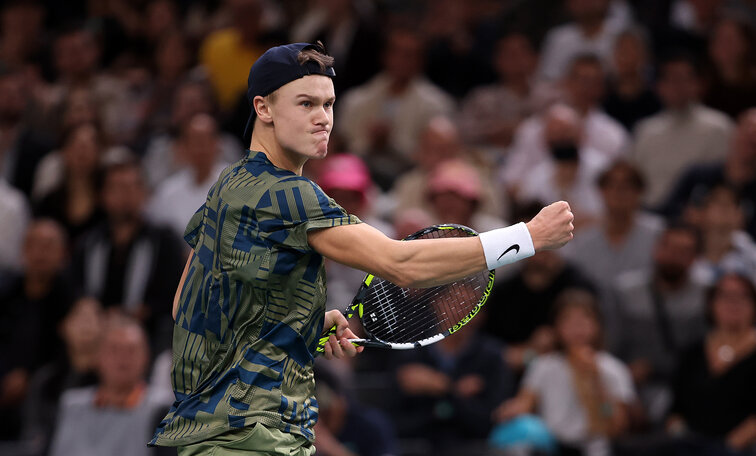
x=177 y=296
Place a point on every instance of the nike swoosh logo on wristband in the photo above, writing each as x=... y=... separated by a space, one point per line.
x=515 y=247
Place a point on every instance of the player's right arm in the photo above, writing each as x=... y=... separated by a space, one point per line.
x=430 y=262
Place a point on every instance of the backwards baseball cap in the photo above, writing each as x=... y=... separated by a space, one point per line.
x=277 y=67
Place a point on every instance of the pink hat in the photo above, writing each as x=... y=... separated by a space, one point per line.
x=455 y=176
x=345 y=172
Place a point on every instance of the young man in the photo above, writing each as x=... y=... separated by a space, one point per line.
x=250 y=308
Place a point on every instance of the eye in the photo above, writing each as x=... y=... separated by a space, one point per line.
x=328 y=104
x=306 y=104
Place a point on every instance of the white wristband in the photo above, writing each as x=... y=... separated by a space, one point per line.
x=507 y=245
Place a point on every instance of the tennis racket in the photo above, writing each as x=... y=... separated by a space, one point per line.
x=404 y=318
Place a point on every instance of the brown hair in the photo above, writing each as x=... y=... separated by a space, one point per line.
x=713 y=291
x=623 y=165
x=317 y=53
x=579 y=298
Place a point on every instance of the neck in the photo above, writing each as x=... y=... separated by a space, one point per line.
x=733 y=334
x=666 y=285
x=37 y=286
x=716 y=246
x=397 y=86
x=201 y=174
x=618 y=225
x=591 y=28
x=629 y=84
x=518 y=85
x=82 y=361
x=263 y=140
x=124 y=231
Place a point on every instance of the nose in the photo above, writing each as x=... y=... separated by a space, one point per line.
x=321 y=116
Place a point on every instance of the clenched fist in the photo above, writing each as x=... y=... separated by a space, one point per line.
x=552 y=227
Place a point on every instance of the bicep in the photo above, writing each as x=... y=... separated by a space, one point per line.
x=359 y=246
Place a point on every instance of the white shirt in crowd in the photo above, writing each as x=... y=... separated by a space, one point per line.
x=178 y=198
x=14 y=217
x=600 y=133
x=666 y=144
x=550 y=378
x=407 y=114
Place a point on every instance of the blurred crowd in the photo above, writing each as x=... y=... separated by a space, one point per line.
x=637 y=338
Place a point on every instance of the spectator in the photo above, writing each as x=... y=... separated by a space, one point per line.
x=592 y=31
x=630 y=97
x=624 y=239
x=440 y=141
x=454 y=190
x=73 y=199
x=583 y=87
x=21 y=148
x=731 y=78
x=228 y=53
x=715 y=410
x=456 y=60
x=684 y=133
x=14 y=217
x=525 y=329
x=491 y=113
x=447 y=391
x=382 y=120
x=662 y=311
x=172 y=59
x=30 y=310
x=569 y=172
x=346 y=179
x=347 y=428
x=737 y=170
x=349 y=30
x=582 y=393
x=76 y=57
x=165 y=152
x=126 y=261
x=21 y=39
x=725 y=248
x=81 y=331
x=179 y=196
x=120 y=400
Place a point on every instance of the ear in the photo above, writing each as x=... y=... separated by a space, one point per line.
x=262 y=108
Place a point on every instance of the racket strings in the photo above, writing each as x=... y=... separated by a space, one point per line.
x=426 y=312
x=429 y=315
x=401 y=315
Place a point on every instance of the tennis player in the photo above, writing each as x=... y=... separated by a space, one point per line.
x=250 y=306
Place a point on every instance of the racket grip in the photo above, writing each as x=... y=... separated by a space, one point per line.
x=320 y=349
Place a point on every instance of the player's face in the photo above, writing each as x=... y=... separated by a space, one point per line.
x=302 y=113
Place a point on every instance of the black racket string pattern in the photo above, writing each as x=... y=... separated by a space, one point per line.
x=408 y=315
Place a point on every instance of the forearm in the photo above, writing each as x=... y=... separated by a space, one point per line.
x=418 y=263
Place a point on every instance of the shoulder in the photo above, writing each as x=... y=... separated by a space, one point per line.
x=549 y=362
x=651 y=125
x=562 y=35
x=713 y=118
x=78 y=398
x=612 y=365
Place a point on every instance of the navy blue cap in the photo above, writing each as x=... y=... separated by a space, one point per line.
x=278 y=67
